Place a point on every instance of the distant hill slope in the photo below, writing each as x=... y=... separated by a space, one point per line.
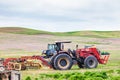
x=98 y=34
x=19 y=30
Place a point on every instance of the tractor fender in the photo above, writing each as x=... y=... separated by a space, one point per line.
x=64 y=52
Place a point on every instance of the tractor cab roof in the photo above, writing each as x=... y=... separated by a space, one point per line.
x=63 y=41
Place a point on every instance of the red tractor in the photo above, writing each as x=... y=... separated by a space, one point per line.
x=88 y=57
x=57 y=58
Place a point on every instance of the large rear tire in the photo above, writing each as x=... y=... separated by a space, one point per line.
x=90 y=62
x=63 y=62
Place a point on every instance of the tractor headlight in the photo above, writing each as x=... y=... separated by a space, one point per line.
x=44 y=52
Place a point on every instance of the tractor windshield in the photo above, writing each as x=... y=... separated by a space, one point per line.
x=51 y=46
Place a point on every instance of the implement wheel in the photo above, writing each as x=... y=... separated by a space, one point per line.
x=10 y=66
x=17 y=66
x=63 y=62
x=90 y=62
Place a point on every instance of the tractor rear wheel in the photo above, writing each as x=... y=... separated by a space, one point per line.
x=63 y=62
x=90 y=62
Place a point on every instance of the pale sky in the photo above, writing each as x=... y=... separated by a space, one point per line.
x=61 y=15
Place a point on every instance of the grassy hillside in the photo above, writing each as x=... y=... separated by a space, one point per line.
x=98 y=34
x=19 y=30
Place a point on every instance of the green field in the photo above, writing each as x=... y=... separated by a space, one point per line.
x=16 y=42
x=88 y=75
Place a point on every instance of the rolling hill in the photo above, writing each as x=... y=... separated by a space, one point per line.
x=98 y=34
x=19 y=30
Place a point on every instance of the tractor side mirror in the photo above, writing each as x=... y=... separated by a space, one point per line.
x=76 y=47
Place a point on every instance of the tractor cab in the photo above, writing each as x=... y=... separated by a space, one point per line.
x=51 y=50
x=54 y=48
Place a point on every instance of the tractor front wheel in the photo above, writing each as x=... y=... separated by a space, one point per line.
x=90 y=62
x=52 y=62
x=63 y=62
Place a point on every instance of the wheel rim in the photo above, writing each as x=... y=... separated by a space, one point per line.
x=91 y=62
x=63 y=63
